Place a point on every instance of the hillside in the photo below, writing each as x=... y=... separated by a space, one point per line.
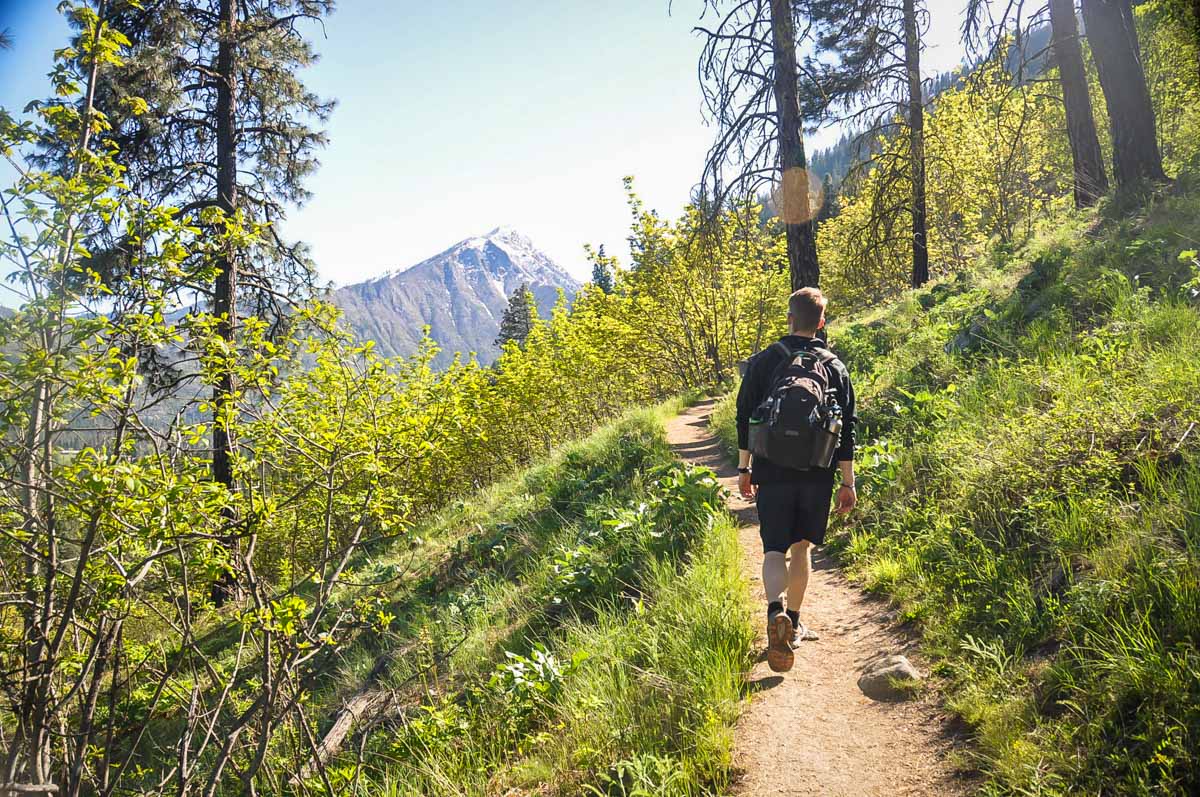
x=1030 y=496
x=530 y=636
x=246 y=555
x=460 y=294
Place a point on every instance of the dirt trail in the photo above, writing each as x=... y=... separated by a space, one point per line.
x=811 y=731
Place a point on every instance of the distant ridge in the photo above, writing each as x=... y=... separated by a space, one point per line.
x=460 y=294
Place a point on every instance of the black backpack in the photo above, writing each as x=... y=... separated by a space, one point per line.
x=798 y=424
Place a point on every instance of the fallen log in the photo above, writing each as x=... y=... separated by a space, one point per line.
x=370 y=703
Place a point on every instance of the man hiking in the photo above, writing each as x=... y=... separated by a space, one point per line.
x=795 y=424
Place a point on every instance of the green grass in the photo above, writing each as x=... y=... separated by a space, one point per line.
x=552 y=647
x=1030 y=467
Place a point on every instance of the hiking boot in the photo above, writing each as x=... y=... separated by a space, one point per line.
x=803 y=633
x=780 y=657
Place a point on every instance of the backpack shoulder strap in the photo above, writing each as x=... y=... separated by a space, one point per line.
x=824 y=355
x=783 y=349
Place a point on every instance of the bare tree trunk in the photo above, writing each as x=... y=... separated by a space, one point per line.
x=793 y=166
x=27 y=754
x=916 y=143
x=1091 y=181
x=1111 y=32
x=225 y=286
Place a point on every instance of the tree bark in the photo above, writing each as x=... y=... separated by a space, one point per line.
x=1091 y=181
x=1111 y=33
x=225 y=285
x=916 y=143
x=795 y=211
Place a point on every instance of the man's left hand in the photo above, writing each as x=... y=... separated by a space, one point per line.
x=847 y=497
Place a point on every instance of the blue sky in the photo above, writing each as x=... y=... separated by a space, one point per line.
x=457 y=118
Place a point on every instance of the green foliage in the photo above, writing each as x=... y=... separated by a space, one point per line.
x=109 y=515
x=997 y=163
x=1170 y=52
x=723 y=421
x=595 y=684
x=698 y=297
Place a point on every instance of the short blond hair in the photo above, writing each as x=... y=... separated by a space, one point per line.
x=806 y=307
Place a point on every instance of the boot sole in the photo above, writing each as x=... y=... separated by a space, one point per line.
x=780 y=657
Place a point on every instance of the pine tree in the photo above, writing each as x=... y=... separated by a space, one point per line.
x=829 y=200
x=795 y=211
x=519 y=317
x=1090 y=180
x=602 y=275
x=259 y=118
x=868 y=71
x=750 y=84
x=1113 y=39
x=221 y=129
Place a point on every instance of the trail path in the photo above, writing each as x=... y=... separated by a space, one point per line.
x=811 y=731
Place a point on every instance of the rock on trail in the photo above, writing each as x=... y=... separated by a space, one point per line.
x=889 y=678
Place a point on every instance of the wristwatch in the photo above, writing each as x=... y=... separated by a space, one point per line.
x=743 y=470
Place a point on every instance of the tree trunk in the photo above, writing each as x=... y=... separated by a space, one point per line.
x=916 y=143
x=795 y=209
x=1091 y=181
x=225 y=285
x=1111 y=33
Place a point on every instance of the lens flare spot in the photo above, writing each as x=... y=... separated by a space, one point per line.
x=797 y=198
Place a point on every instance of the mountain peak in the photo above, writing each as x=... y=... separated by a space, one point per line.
x=514 y=244
x=504 y=231
x=460 y=294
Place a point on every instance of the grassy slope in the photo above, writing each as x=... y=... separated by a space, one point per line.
x=564 y=607
x=1031 y=498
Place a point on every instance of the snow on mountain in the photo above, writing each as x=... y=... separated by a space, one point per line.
x=460 y=294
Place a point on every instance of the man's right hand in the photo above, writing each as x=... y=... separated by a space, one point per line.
x=747 y=489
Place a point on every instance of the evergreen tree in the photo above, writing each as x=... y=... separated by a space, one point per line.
x=796 y=211
x=519 y=317
x=1090 y=180
x=226 y=123
x=1113 y=37
x=750 y=84
x=829 y=200
x=602 y=276
x=868 y=70
x=221 y=127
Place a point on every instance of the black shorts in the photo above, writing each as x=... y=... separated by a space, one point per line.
x=789 y=512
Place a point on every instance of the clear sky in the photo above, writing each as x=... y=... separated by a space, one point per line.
x=455 y=118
